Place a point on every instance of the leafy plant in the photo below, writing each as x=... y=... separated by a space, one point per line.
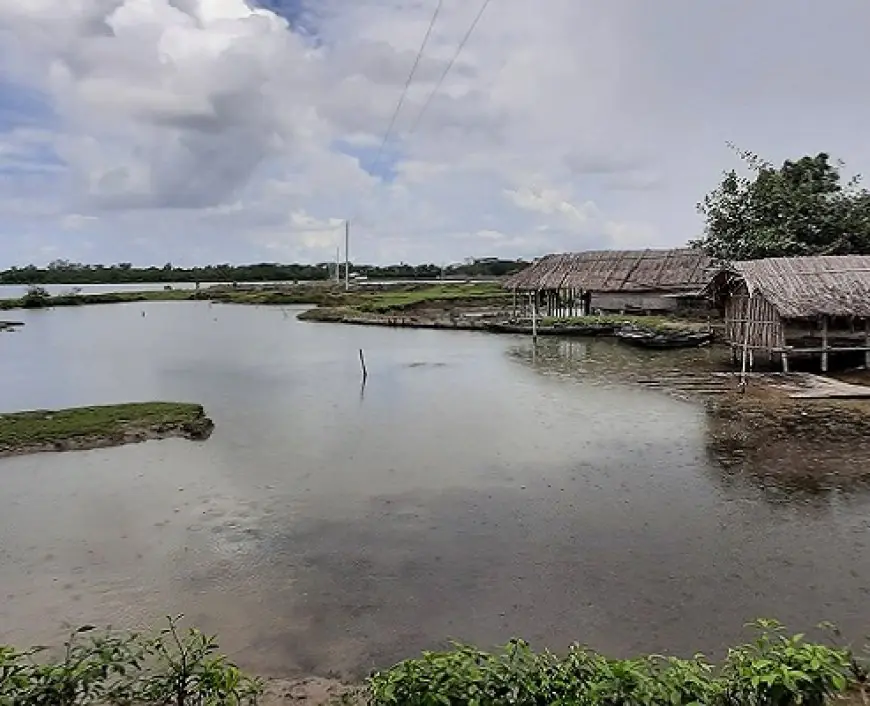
x=90 y=671
x=188 y=671
x=781 y=670
x=774 y=670
x=126 y=669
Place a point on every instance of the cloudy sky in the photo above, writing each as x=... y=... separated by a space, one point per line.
x=198 y=131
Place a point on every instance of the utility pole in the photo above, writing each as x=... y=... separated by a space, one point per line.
x=337 y=265
x=346 y=256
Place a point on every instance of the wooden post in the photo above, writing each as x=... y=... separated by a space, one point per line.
x=346 y=255
x=514 y=315
x=824 y=344
x=362 y=362
x=743 y=361
x=784 y=356
x=867 y=343
x=535 y=318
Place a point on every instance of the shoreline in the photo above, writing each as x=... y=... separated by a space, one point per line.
x=102 y=426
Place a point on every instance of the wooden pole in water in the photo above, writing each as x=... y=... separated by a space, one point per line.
x=362 y=362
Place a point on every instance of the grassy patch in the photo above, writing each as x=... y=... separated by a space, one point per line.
x=380 y=301
x=87 y=427
x=446 y=294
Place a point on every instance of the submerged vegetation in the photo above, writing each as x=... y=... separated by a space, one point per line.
x=93 y=427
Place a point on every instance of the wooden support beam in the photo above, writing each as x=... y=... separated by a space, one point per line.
x=824 y=344
x=867 y=343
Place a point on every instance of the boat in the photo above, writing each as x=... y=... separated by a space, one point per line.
x=643 y=338
x=557 y=329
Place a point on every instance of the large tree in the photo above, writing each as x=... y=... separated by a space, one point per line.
x=801 y=208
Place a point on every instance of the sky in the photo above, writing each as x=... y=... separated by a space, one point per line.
x=209 y=131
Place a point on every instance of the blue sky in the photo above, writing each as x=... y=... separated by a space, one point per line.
x=210 y=130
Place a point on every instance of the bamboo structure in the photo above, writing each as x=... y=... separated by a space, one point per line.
x=573 y=284
x=796 y=307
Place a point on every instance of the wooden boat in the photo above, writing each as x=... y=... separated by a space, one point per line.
x=566 y=329
x=661 y=340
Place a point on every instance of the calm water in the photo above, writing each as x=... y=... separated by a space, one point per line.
x=14 y=291
x=474 y=490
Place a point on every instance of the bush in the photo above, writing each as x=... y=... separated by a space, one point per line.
x=182 y=669
x=780 y=670
x=775 y=670
x=36 y=298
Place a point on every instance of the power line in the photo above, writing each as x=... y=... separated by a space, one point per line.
x=402 y=97
x=450 y=64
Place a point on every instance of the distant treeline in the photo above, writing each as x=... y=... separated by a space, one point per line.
x=64 y=272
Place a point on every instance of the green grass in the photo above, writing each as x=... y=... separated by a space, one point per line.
x=23 y=430
x=368 y=301
x=399 y=299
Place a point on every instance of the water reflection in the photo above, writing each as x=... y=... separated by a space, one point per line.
x=799 y=470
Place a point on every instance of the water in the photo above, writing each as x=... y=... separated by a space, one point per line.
x=15 y=291
x=474 y=490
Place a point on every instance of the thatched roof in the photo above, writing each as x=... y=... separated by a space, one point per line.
x=808 y=287
x=678 y=270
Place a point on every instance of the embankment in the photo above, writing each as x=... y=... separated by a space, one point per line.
x=101 y=426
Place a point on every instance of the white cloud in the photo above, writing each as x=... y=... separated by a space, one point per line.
x=206 y=129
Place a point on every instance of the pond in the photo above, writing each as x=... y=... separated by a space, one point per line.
x=475 y=489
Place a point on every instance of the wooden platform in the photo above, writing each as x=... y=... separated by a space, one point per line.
x=807 y=385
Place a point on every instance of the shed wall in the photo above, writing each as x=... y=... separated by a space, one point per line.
x=752 y=321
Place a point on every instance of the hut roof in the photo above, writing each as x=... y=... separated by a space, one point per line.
x=807 y=287
x=677 y=270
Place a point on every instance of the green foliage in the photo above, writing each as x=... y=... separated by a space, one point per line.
x=800 y=208
x=188 y=670
x=781 y=670
x=775 y=670
x=36 y=298
x=401 y=299
x=126 y=669
x=65 y=272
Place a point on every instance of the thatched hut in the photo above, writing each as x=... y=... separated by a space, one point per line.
x=639 y=281
x=792 y=307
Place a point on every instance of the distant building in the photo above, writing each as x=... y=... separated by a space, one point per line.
x=626 y=281
x=796 y=307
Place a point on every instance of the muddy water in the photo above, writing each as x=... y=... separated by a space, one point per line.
x=474 y=490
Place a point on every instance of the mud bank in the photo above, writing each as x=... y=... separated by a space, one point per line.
x=791 y=441
x=83 y=428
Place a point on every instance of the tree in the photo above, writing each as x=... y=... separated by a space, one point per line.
x=36 y=298
x=800 y=208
